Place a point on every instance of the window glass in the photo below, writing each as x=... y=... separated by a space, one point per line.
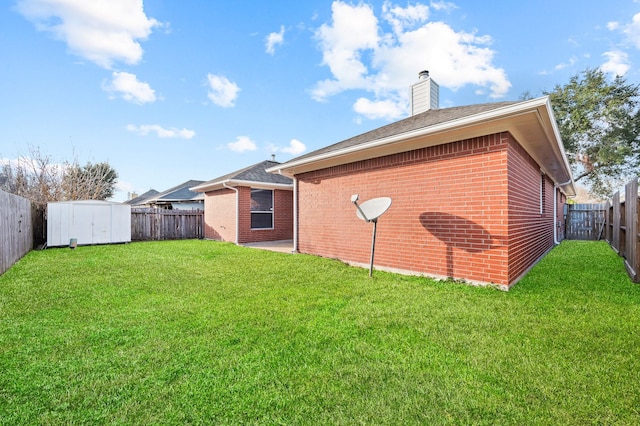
x=261 y=200
x=261 y=209
x=261 y=220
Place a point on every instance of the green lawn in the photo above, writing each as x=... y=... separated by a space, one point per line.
x=210 y=333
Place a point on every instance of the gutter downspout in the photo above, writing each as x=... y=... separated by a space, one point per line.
x=237 y=211
x=295 y=215
x=555 y=209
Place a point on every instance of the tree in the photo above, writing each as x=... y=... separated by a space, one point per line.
x=39 y=179
x=89 y=182
x=34 y=177
x=599 y=122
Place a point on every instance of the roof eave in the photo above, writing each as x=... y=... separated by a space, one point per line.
x=214 y=186
x=512 y=118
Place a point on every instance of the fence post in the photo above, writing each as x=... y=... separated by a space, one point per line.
x=608 y=212
x=615 y=238
x=623 y=226
x=631 y=229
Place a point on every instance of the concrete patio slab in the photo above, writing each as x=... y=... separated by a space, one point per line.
x=282 y=246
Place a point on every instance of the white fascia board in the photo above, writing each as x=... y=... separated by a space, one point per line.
x=525 y=107
x=204 y=187
x=437 y=128
x=567 y=187
x=261 y=185
x=213 y=186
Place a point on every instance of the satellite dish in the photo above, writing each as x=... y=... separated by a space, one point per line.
x=370 y=211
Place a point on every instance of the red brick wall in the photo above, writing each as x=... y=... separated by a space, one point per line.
x=530 y=231
x=447 y=216
x=282 y=218
x=283 y=215
x=450 y=213
x=220 y=215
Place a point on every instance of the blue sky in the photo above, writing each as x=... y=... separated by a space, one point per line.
x=168 y=91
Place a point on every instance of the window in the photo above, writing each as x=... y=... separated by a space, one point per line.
x=261 y=209
x=542 y=193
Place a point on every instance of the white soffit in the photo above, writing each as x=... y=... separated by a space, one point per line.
x=214 y=186
x=530 y=122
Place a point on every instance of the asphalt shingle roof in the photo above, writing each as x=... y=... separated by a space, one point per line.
x=255 y=173
x=141 y=199
x=423 y=120
x=181 y=192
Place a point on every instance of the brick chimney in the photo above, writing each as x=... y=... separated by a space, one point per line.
x=425 y=94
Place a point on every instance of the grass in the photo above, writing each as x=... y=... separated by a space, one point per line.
x=200 y=332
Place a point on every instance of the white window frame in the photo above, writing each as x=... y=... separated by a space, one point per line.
x=263 y=212
x=542 y=197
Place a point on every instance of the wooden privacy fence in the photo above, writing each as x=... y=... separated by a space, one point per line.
x=621 y=228
x=585 y=221
x=16 y=229
x=161 y=224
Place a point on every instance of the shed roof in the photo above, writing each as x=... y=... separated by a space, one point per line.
x=531 y=122
x=254 y=176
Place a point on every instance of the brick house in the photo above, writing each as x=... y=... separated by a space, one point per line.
x=248 y=205
x=477 y=191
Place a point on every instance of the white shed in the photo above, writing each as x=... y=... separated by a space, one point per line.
x=88 y=222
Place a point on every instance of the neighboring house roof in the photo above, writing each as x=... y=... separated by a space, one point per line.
x=531 y=122
x=176 y=194
x=179 y=193
x=142 y=199
x=254 y=176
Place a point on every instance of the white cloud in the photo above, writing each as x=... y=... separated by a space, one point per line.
x=295 y=147
x=161 y=132
x=274 y=39
x=129 y=88
x=101 y=31
x=456 y=59
x=400 y=17
x=572 y=61
x=353 y=30
x=362 y=55
x=222 y=92
x=242 y=144
x=617 y=64
x=373 y=110
x=632 y=30
x=443 y=5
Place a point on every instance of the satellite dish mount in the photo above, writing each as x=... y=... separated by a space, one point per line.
x=370 y=211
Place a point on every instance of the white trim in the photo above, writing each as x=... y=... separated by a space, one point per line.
x=212 y=186
x=546 y=122
x=272 y=211
x=460 y=122
x=295 y=215
x=542 y=182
